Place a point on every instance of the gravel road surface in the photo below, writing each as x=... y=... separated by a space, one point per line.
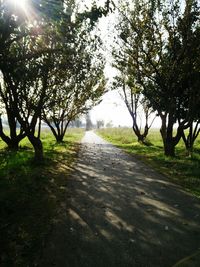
x=121 y=213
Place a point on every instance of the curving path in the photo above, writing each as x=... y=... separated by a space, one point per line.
x=120 y=213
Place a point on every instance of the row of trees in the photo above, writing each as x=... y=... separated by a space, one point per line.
x=157 y=55
x=50 y=67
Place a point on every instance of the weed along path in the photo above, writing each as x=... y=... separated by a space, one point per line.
x=120 y=213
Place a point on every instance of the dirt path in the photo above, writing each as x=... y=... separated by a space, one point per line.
x=121 y=213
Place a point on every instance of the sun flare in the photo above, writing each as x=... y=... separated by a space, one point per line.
x=20 y=3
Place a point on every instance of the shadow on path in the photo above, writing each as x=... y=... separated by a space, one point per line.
x=119 y=212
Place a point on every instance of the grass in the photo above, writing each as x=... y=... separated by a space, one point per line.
x=30 y=196
x=181 y=169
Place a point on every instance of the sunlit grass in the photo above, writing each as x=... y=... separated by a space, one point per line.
x=182 y=169
x=30 y=196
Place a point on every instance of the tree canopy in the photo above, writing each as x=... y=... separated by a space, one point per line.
x=160 y=44
x=47 y=62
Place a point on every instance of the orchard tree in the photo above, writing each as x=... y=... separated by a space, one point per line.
x=77 y=123
x=131 y=93
x=88 y=120
x=72 y=99
x=11 y=30
x=78 y=84
x=17 y=38
x=190 y=137
x=100 y=124
x=130 y=89
x=13 y=138
x=27 y=80
x=28 y=46
x=191 y=72
x=162 y=42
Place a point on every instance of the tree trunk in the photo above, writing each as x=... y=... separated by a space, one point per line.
x=12 y=141
x=166 y=131
x=38 y=148
x=59 y=138
x=189 y=149
x=13 y=144
x=190 y=138
x=141 y=137
x=39 y=128
x=169 y=148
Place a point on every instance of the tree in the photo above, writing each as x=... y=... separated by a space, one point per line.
x=100 y=124
x=77 y=123
x=191 y=74
x=9 y=33
x=89 y=124
x=159 y=39
x=13 y=139
x=136 y=103
x=130 y=89
x=78 y=87
x=27 y=50
x=192 y=135
x=18 y=52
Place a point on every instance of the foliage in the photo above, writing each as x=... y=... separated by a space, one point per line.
x=126 y=81
x=80 y=86
x=136 y=103
x=41 y=54
x=161 y=44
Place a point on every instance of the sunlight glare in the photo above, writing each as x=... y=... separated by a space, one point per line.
x=20 y=3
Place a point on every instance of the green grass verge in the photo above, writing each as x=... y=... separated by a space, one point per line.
x=181 y=169
x=30 y=196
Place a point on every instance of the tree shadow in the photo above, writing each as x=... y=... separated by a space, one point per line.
x=30 y=196
x=119 y=212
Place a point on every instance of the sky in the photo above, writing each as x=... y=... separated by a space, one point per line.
x=112 y=109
